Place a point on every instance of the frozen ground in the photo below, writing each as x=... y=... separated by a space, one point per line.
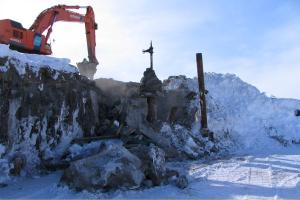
x=263 y=133
x=34 y=62
x=275 y=176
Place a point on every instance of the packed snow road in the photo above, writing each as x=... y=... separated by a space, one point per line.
x=274 y=176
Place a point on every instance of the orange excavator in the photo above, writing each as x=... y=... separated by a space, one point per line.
x=33 y=41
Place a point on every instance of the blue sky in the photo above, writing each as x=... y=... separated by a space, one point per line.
x=259 y=40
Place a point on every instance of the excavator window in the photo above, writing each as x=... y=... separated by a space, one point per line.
x=37 y=41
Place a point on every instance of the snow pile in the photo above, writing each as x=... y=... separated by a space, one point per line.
x=2 y=150
x=241 y=116
x=158 y=164
x=181 y=138
x=4 y=171
x=249 y=115
x=33 y=141
x=78 y=151
x=112 y=167
x=248 y=177
x=34 y=62
x=4 y=166
x=68 y=133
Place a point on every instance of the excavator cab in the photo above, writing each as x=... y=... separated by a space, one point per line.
x=37 y=41
x=18 y=38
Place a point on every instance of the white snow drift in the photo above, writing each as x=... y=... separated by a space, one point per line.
x=35 y=62
x=242 y=117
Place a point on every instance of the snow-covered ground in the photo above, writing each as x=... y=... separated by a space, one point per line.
x=34 y=62
x=275 y=176
x=257 y=122
x=261 y=135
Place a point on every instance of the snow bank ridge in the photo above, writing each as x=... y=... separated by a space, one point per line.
x=35 y=62
x=243 y=117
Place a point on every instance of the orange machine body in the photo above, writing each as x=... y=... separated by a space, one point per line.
x=21 y=39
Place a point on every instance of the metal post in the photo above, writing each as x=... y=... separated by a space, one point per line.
x=150 y=51
x=201 y=90
x=151 y=60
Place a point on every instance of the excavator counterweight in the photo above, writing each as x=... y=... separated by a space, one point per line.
x=33 y=40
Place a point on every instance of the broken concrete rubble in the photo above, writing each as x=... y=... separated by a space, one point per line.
x=150 y=84
x=53 y=112
x=19 y=162
x=177 y=110
x=148 y=161
x=181 y=139
x=153 y=162
x=150 y=88
x=42 y=111
x=182 y=182
x=114 y=167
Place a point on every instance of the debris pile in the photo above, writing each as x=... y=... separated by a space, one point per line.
x=48 y=113
x=150 y=88
x=113 y=167
x=42 y=109
x=108 y=134
x=106 y=165
x=150 y=84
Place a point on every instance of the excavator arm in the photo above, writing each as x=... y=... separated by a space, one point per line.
x=51 y=15
x=44 y=22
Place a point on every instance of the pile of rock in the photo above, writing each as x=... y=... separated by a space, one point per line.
x=43 y=113
x=115 y=167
